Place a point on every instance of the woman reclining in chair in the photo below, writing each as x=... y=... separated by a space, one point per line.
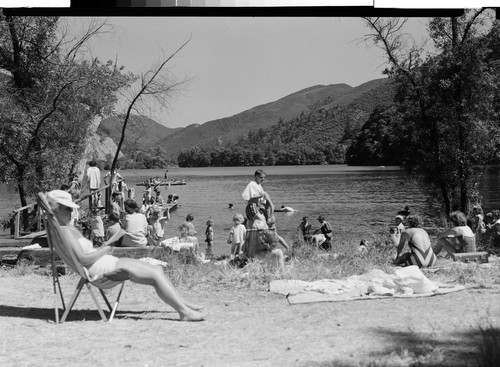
x=99 y=261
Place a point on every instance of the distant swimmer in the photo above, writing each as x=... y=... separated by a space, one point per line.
x=230 y=206
x=287 y=209
x=405 y=211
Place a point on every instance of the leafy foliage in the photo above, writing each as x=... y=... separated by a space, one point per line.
x=51 y=95
x=319 y=136
x=447 y=103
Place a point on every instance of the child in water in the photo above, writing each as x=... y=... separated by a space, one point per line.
x=237 y=236
x=209 y=234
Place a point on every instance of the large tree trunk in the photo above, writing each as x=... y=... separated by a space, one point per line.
x=446 y=199
x=22 y=196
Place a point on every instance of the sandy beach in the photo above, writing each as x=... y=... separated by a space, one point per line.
x=243 y=327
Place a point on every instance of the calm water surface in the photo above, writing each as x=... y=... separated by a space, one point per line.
x=357 y=201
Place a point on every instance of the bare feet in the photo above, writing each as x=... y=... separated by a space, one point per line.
x=193 y=306
x=191 y=315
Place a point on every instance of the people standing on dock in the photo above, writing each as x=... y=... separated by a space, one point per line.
x=159 y=199
x=94 y=182
x=118 y=177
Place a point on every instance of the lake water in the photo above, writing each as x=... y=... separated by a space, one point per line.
x=357 y=201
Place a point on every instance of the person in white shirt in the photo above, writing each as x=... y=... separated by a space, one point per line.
x=94 y=181
x=254 y=193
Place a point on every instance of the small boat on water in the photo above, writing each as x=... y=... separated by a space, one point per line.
x=162 y=183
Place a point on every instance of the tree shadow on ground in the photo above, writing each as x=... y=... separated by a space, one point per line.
x=48 y=314
x=477 y=347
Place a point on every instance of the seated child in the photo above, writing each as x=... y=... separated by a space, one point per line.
x=113 y=226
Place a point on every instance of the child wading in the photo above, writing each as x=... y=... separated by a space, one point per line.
x=237 y=236
x=209 y=234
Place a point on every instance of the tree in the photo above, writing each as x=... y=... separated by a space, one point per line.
x=381 y=140
x=156 y=86
x=448 y=101
x=51 y=94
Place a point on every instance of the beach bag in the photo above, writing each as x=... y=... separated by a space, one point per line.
x=412 y=277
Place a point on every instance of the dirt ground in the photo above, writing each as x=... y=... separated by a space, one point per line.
x=243 y=327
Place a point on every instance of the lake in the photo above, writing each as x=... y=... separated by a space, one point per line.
x=357 y=201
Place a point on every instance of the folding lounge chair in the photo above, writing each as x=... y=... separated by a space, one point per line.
x=59 y=244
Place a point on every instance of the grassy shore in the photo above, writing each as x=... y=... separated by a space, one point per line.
x=308 y=264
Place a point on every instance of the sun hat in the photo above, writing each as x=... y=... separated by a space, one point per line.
x=399 y=217
x=62 y=198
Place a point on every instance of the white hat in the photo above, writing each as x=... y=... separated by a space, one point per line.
x=62 y=198
x=399 y=217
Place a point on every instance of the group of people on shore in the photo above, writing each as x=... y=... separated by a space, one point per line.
x=414 y=247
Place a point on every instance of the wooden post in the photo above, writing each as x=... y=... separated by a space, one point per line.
x=16 y=224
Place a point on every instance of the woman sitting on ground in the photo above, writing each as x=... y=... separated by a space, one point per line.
x=460 y=238
x=261 y=242
x=418 y=240
x=100 y=261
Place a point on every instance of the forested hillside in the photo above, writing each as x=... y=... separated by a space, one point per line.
x=223 y=132
x=139 y=147
x=319 y=136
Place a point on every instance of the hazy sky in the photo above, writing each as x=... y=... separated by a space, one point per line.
x=238 y=63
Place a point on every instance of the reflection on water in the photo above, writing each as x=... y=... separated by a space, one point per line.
x=358 y=202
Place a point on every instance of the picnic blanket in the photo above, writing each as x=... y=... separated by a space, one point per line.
x=405 y=283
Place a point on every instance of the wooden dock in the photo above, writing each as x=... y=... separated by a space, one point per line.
x=11 y=252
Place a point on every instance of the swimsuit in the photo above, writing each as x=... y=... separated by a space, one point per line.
x=105 y=264
x=421 y=258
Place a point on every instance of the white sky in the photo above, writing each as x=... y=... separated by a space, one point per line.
x=239 y=63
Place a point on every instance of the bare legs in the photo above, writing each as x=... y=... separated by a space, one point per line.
x=143 y=273
x=444 y=243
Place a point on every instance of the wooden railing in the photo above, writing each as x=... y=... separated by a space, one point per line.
x=38 y=218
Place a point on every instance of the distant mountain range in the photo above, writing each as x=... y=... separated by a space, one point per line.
x=359 y=101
